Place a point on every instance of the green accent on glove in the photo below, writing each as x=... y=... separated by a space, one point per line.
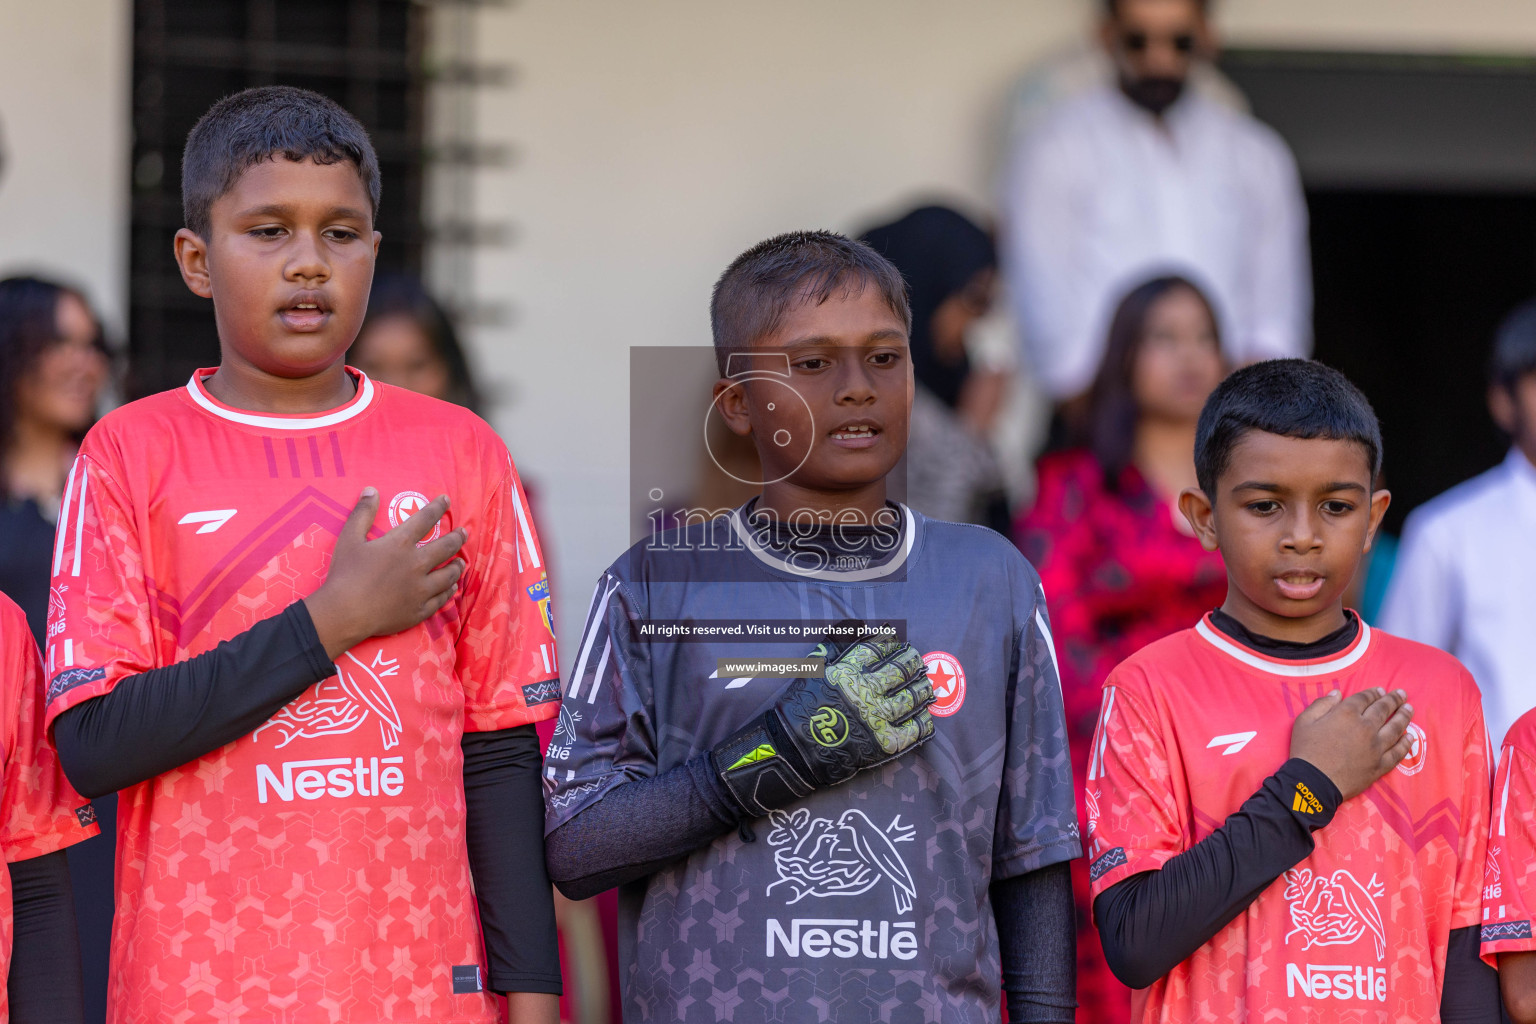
x=757 y=754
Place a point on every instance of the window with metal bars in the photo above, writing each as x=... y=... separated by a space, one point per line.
x=365 y=54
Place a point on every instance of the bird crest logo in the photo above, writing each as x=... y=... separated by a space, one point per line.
x=341 y=704
x=56 y=610
x=846 y=857
x=538 y=593
x=1334 y=910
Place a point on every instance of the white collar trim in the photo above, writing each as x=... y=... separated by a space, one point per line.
x=1287 y=668
x=773 y=561
x=353 y=408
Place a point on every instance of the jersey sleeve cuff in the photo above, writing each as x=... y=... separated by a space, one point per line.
x=1120 y=862
x=1064 y=847
x=1497 y=937
x=540 y=701
x=75 y=827
x=72 y=687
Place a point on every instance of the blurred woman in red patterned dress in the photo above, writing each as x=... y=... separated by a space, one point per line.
x=1118 y=562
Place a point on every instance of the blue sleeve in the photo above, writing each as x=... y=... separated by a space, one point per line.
x=1037 y=812
x=604 y=737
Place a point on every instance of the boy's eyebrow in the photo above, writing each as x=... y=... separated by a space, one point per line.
x=1256 y=485
x=286 y=210
x=888 y=334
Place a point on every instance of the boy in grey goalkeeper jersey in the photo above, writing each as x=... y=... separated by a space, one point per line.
x=885 y=837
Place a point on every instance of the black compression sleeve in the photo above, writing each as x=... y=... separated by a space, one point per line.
x=1037 y=933
x=1153 y=921
x=161 y=719
x=504 y=810
x=638 y=827
x=1471 y=992
x=45 y=985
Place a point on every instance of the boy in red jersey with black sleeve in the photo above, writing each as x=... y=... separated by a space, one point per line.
x=320 y=714
x=40 y=815
x=1509 y=891
x=1288 y=809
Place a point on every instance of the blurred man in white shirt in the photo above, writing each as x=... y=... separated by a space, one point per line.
x=1465 y=577
x=1142 y=176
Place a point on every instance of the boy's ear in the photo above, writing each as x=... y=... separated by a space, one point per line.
x=192 y=258
x=1379 y=502
x=1501 y=406
x=1197 y=509
x=731 y=403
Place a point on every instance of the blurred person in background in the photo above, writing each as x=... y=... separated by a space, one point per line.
x=1465 y=574
x=54 y=364
x=950 y=266
x=409 y=340
x=1141 y=175
x=54 y=367
x=1118 y=562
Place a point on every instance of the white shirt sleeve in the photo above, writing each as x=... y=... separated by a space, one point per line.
x=1423 y=600
x=1044 y=193
x=1280 y=321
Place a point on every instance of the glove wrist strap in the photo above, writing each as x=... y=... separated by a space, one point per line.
x=761 y=768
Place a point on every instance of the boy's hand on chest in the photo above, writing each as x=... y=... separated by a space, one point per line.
x=384 y=586
x=1354 y=740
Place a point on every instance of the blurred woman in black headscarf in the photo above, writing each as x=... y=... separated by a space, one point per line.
x=950 y=266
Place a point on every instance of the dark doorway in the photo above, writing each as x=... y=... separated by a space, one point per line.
x=1408 y=290
x=1421 y=186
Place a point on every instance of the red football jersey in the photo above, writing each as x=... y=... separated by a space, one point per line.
x=1189 y=729
x=316 y=869
x=39 y=811
x=1509 y=891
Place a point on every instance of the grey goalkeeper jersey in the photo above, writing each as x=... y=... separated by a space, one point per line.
x=864 y=902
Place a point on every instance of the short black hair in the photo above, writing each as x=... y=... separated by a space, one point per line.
x=1514 y=346
x=1289 y=397
x=768 y=280
x=1112 y=7
x=247 y=128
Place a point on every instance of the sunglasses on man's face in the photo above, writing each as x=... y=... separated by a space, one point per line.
x=1138 y=42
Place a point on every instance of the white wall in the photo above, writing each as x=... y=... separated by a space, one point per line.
x=64 y=129
x=656 y=140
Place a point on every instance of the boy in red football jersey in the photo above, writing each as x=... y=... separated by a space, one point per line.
x=1274 y=831
x=1509 y=891
x=40 y=815
x=319 y=707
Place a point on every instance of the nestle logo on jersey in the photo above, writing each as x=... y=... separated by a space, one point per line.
x=1336 y=981
x=337 y=777
x=843 y=938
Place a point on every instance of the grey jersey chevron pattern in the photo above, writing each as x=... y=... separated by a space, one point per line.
x=866 y=901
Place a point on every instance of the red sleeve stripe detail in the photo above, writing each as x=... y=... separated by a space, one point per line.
x=1504 y=800
x=1096 y=763
x=58 y=541
x=522 y=523
x=85 y=478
